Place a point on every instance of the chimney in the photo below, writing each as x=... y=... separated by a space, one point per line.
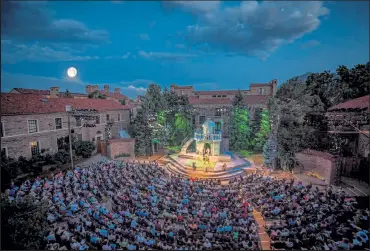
x=54 y=91
x=117 y=90
x=106 y=88
x=88 y=89
x=274 y=86
x=94 y=88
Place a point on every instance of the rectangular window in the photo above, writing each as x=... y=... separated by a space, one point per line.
x=58 y=123
x=97 y=120
x=218 y=126
x=262 y=91
x=60 y=143
x=218 y=96
x=78 y=121
x=35 y=148
x=119 y=117
x=224 y=96
x=4 y=152
x=32 y=126
x=2 y=129
x=79 y=137
x=107 y=117
x=218 y=112
x=202 y=119
x=213 y=96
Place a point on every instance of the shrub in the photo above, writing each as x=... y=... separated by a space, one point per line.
x=173 y=149
x=84 y=148
x=61 y=157
x=122 y=155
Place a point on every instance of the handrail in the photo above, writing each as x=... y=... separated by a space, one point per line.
x=184 y=140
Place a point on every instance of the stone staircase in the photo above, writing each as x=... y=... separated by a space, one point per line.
x=175 y=167
x=185 y=147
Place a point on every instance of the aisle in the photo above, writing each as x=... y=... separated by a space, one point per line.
x=264 y=238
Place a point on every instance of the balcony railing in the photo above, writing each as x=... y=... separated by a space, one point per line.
x=210 y=137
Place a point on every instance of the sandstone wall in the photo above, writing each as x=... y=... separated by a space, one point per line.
x=119 y=146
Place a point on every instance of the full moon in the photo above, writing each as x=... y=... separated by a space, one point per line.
x=72 y=72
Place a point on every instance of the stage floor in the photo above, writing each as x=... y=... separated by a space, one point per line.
x=214 y=166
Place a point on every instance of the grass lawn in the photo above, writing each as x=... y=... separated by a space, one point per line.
x=199 y=164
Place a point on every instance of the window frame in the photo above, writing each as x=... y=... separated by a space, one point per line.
x=6 y=151
x=96 y=120
x=201 y=122
x=119 y=117
x=39 y=147
x=262 y=91
x=37 y=125
x=61 y=123
x=2 y=129
x=107 y=117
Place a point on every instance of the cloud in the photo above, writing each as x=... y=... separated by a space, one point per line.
x=10 y=81
x=15 y=52
x=165 y=56
x=309 y=44
x=30 y=20
x=125 y=56
x=144 y=37
x=251 y=28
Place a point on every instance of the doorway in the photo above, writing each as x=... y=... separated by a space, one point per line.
x=207 y=146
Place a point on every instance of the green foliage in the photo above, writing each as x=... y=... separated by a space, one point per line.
x=245 y=153
x=238 y=100
x=122 y=155
x=239 y=130
x=67 y=94
x=174 y=149
x=295 y=99
x=23 y=223
x=123 y=102
x=131 y=130
x=269 y=151
x=142 y=134
x=61 y=157
x=264 y=130
x=84 y=148
x=96 y=95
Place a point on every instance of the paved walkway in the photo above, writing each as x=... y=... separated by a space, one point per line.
x=264 y=237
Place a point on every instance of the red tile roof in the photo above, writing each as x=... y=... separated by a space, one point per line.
x=261 y=84
x=256 y=99
x=360 y=103
x=220 y=92
x=248 y=100
x=32 y=91
x=33 y=104
x=209 y=101
x=118 y=96
x=181 y=87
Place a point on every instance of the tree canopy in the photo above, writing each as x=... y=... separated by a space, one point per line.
x=296 y=98
x=23 y=223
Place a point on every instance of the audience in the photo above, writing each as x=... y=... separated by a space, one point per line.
x=307 y=218
x=134 y=206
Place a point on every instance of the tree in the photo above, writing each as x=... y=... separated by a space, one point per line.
x=269 y=151
x=68 y=94
x=23 y=223
x=96 y=95
x=84 y=148
x=239 y=130
x=264 y=130
x=238 y=100
x=143 y=134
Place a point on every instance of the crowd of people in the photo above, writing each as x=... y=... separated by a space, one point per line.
x=135 y=206
x=307 y=218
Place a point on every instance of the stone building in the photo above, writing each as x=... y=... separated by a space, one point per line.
x=216 y=104
x=33 y=122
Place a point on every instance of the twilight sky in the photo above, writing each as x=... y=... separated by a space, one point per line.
x=209 y=44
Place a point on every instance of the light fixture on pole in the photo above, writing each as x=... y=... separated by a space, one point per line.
x=68 y=110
